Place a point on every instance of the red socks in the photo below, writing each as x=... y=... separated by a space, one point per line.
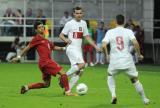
x=64 y=81
x=36 y=85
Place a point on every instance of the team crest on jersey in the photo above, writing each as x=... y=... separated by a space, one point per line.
x=80 y=28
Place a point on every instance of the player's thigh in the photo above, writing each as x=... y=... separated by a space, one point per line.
x=52 y=69
x=75 y=56
x=112 y=72
x=132 y=72
x=45 y=76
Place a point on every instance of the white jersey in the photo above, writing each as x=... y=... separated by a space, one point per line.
x=75 y=32
x=119 y=39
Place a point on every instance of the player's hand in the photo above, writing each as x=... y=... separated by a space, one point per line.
x=14 y=60
x=140 y=57
x=68 y=41
x=98 y=49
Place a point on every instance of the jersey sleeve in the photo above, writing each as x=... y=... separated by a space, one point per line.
x=131 y=34
x=85 y=32
x=66 y=29
x=106 y=38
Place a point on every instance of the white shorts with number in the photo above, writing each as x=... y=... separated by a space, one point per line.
x=131 y=71
x=75 y=55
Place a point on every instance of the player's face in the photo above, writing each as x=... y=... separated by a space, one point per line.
x=40 y=29
x=78 y=14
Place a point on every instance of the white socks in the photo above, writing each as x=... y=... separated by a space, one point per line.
x=26 y=87
x=73 y=81
x=111 y=85
x=137 y=84
x=72 y=70
x=139 y=89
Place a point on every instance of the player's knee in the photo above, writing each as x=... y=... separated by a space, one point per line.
x=79 y=72
x=46 y=84
x=81 y=66
x=109 y=74
x=61 y=72
x=133 y=80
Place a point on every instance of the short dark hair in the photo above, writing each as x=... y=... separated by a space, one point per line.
x=36 y=24
x=77 y=8
x=120 y=19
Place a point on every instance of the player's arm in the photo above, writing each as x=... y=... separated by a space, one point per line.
x=64 y=32
x=23 y=52
x=88 y=38
x=63 y=38
x=59 y=48
x=105 y=50
x=137 y=48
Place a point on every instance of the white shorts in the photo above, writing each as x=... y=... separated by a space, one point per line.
x=75 y=55
x=131 y=72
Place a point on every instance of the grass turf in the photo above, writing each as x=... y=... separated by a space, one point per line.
x=12 y=76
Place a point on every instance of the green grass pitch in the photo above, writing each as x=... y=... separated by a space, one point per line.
x=12 y=76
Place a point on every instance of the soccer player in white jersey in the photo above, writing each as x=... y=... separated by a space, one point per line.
x=76 y=29
x=120 y=57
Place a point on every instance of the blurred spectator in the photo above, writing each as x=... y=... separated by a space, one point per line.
x=139 y=34
x=140 y=37
x=131 y=48
x=112 y=24
x=129 y=24
x=40 y=15
x=8 y=14
x=64 y=19
x=14 y=49
x=49 y=25
x=29 y=22
x=19 y=21
x=87 y=48
x=100 y=32
x=18 y=13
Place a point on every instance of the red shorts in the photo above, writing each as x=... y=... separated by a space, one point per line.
x=50 y=69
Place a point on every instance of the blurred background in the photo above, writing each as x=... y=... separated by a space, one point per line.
x=18 y=16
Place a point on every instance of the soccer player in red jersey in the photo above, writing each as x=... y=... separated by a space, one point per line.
x=47 y=66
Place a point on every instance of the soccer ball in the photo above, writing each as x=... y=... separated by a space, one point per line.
x=81 y=89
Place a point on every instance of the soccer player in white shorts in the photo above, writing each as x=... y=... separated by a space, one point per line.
x=120 y=58
x=76 y=29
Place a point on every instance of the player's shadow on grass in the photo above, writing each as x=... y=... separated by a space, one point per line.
x=40 y=94
x=108 y=105
x=47 y=95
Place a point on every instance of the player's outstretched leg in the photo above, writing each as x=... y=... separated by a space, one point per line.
x=25 y=88
x=72 y=70
x=140 y=90
x=65 y=84
x=74 y=79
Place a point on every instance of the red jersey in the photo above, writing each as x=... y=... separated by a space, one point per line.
x=44 y=48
